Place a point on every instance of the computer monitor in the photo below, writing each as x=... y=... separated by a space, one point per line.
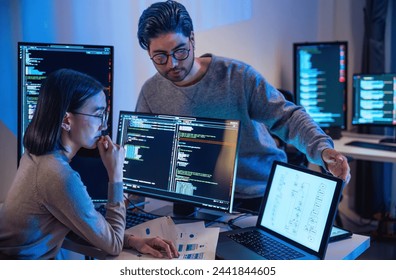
x=374 y=100
x=188 y=160
x=35 y=62
x=320 y=83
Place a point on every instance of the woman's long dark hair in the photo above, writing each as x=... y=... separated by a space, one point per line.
x=64 y=90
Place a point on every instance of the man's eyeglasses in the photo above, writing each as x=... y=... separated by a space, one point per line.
x=162 y=58
x=104 y=116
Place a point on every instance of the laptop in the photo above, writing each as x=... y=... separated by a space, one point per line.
x=297 y=213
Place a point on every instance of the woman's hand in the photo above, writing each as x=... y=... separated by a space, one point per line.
x=113 y=156
x=156 y=246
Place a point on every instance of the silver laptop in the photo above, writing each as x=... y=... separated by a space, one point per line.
x=295 y=219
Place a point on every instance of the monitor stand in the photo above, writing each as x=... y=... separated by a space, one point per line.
x=186 y=211
x=333 y=132
x=389 y=138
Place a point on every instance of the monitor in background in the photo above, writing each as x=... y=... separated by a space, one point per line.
x=181 y=159
x=320 y=83
x=374 y=101
x=35 y=62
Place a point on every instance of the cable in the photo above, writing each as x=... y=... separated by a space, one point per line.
x=231 y=222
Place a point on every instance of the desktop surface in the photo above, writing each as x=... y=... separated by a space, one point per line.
x=361 y=153
x=346 y=249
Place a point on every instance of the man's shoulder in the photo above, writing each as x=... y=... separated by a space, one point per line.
x=154 y=78
x=155 y=81
x=232 y=67
x=151 y=88
x=228 y=62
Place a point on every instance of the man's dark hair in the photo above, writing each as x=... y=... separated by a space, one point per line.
x=161 y=18
x=64 y=90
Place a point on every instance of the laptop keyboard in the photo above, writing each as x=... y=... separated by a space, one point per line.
x=265 y=246
x=133 y=218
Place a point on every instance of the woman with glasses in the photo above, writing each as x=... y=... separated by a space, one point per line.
x=48 y=199
x=217 y=87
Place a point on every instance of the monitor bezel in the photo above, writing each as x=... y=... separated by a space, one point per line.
x=110 y=93
x=173 y=199
x=85 y=160
x=353 y=109
x=339 y=184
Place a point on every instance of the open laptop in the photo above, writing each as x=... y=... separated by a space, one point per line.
x=297 y=211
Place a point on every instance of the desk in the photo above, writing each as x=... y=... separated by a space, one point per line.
x=363 y=153
x=369 y=155
x=347 y=249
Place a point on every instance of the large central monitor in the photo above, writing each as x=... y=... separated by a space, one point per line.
x=320 y=83
x=35 y=62
x=181 y=159
x=374 y=100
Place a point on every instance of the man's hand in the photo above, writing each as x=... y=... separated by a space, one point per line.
x=337 y=164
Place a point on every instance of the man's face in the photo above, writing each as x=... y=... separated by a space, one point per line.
x=173 y=70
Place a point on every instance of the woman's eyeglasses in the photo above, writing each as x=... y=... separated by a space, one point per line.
x=104 y=116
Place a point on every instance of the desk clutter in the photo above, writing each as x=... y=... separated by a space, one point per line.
x=193 y=240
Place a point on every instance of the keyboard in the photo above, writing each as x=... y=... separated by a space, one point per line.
x=265 y=246
x=370 y=145
x=133 y=218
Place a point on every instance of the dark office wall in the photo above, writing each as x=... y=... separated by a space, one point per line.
x=374 y=179
x=375 y=17
x=393 y=36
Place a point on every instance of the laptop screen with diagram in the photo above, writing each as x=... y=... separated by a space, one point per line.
x=295 y=218
x=298 y=205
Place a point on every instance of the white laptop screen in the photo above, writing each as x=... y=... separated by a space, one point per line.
x=298 y=205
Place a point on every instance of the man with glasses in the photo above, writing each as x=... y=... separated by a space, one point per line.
x=218 y=87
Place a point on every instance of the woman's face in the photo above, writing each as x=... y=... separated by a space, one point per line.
x=87 y=122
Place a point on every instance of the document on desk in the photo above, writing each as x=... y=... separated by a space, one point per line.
x=193 y=240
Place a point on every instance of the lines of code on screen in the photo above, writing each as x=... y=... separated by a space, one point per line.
x=179 y=158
